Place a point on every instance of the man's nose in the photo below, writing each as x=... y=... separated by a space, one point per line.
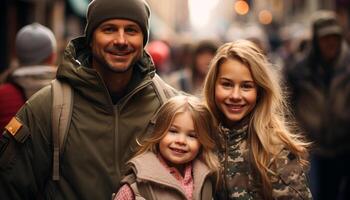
x=120 y=38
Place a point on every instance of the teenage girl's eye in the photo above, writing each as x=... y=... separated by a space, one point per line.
x=226 y=84
x=248 y=85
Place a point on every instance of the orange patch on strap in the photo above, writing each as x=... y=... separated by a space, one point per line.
x=13 y=126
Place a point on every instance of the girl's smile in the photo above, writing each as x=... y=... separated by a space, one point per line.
x=180 y=145
x=235 y=91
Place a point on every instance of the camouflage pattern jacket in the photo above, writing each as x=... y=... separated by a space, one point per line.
x=239 y=180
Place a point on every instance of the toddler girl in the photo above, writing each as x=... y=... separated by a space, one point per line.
x=177 y=161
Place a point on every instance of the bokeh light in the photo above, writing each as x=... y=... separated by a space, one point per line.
x=241 y=7
x=265 y=17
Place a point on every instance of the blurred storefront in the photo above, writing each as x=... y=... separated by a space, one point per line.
x=171 y=20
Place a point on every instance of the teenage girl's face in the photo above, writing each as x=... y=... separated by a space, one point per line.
x=180 y=144
x=235 y=91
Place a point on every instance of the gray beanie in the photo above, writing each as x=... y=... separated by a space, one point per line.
x=102 y=10
x=34 y=43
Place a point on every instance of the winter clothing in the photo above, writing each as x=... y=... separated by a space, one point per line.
x=32 y=78
x=153 y=180
x=240 y=181
x=325 y=23
x=320 y=102
x=21 y=85
x=100 y=139
x=11 y=100
x=102 y=10
x=34 y=44
x=320 y=98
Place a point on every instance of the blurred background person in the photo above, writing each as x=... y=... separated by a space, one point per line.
x=320 y=95
x=160 y=53
x=295 y=41
x=36 y=53
x=190 y=79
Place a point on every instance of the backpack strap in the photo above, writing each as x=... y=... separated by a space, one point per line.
x=165 y=92
x=62 y=106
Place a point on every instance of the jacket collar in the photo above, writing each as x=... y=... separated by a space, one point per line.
x=147 y=167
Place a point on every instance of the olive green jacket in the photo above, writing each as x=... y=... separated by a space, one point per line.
x=100 y=140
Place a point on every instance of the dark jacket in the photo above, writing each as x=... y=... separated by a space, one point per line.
x=320 y=96
x=100 y=140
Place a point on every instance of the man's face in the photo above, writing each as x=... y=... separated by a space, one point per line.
x=329 y=47
x=116 y=45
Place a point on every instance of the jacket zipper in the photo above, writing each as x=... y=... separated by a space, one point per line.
x=117 y=107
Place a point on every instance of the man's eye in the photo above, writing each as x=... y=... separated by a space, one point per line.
x=130 y=30
x=108 y=29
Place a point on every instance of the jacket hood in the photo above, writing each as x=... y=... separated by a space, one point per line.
x=76 y=69
x=32 y=78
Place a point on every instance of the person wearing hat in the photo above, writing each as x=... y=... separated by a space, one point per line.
x=36 y=52
x=320 y=95
x=114 y=100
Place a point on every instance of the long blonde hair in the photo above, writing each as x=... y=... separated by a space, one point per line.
x=203 y=123
x=269 y=129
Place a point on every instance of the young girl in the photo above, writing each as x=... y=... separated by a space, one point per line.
x=260 y=156
x=177 y=161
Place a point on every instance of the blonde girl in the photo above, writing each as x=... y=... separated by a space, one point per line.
x=260 y=154
x=177 y=161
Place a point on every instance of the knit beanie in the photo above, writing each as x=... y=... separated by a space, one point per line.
x=34 y=43
x=325 y=23
x=102 y=10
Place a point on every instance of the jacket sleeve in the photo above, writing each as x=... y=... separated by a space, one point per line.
x=124 y=193
x=25 y=160
x=129 y=188
x=292 y=182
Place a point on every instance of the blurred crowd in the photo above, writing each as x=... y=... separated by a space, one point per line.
x=314 y=62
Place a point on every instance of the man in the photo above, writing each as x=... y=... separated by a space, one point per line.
x=36 y=50
x=114 y=100
x=320 y=86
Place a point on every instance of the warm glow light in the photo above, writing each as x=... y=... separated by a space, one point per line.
x=265 y=17
x=199 y=11
x=241 y=7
